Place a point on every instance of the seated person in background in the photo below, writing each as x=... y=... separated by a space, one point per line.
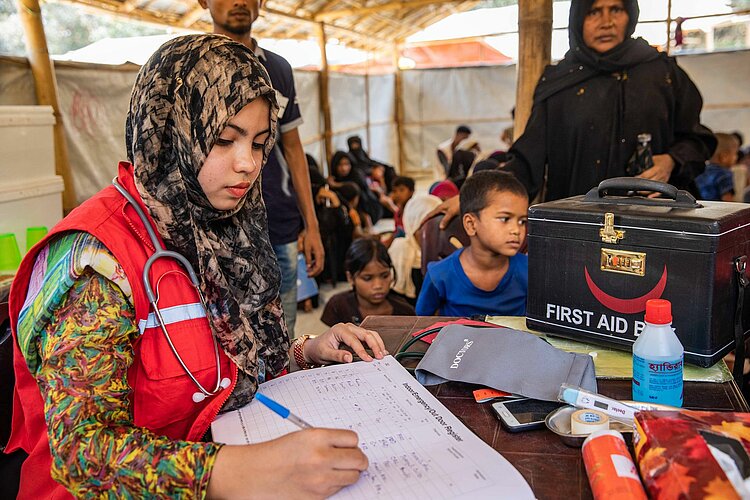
x=501 y=155
x=489 y=277
x=716 y=182
x=406 y=252
x=362 y=161
x=376 y=183
x=446 y=149
x=370 y=272
x=341 y=171
x=507 y=137
x=336 y=227
x=350 y=193
x=403 y=190
x=463 y=160
x=740 y=141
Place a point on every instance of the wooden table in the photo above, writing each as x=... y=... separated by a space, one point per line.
x=552 y=469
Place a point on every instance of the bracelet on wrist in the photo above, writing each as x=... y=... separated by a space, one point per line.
x=298 y=350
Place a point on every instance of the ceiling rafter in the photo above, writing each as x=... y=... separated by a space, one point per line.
x=357 y=23
x=396 y=5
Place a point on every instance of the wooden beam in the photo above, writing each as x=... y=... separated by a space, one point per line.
x=424 y=21
x=326 y=5
x=325 y=105
x=399 y=110
x=170 y=19
x=374 y=16
x=333 y=27
x=45 y=86
x=112 y=7
x=294 y=30
x=367 y=103
x=394 y=5
x=534 y=52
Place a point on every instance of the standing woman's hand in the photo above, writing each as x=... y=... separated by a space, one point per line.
x=325 y=349
x=662 y=169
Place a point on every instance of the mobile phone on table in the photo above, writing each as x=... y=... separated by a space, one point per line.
x=524 y=414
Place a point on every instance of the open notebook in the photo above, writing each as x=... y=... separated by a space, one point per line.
x=416 y=447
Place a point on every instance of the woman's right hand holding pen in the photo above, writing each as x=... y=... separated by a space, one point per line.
x=311 y=463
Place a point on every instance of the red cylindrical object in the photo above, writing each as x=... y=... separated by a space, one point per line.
x=611 y=471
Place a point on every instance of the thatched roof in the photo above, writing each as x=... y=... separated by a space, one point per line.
x=364 y=24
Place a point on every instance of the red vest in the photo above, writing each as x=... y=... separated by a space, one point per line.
x=161 y=397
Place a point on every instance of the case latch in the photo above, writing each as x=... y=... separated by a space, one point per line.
x=608 y=233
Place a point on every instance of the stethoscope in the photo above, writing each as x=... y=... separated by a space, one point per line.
x=161 y=252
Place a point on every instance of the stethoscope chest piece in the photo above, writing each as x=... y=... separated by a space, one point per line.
x=199 y=396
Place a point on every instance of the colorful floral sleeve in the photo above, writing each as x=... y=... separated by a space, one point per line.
x=79 y=351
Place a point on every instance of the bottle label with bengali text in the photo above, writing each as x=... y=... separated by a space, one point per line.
x=657 y=382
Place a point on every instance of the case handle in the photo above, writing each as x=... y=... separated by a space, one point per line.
x=677 y=198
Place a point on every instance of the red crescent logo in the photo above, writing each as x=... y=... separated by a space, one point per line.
x=626 y=306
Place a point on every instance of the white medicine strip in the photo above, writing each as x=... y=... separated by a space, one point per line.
x=174 y=314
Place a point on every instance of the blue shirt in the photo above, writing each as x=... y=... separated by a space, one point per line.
x=447 y=290
x=284 y=218
x=715 y=182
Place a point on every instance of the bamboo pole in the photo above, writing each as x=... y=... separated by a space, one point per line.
x=367 y=104
x=45 y=85
x=534 y=52
x=325 y=106
x=398 y=109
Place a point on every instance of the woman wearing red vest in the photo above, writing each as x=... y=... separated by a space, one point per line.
x=103 y=405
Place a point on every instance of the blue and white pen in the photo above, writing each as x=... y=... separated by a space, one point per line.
x=282 y=411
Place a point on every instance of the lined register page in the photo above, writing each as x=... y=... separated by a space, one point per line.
x=416 y=447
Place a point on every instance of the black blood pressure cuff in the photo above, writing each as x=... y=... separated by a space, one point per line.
x=504 y=359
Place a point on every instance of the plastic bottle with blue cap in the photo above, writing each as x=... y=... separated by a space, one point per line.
x=658 y=358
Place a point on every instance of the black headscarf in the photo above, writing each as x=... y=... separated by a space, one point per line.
x=352 y=176
x=182 y=99
x=582 y=62
x=360 y=158
x=368 y=201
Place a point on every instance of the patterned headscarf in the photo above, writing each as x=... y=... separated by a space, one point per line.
x=182 y=99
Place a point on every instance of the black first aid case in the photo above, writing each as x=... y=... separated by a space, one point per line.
x=595 y=260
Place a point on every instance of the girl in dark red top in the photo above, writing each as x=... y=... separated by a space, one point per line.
x=371 y=274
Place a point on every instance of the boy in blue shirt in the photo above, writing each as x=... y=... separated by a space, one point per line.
x=489 y=277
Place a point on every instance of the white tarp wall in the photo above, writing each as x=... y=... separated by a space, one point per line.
x=359 y=101
x=94 y=102
x=437 y=100
x=311 y=131
x=724 y=81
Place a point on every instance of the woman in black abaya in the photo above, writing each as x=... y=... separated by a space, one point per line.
x=589 y=109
